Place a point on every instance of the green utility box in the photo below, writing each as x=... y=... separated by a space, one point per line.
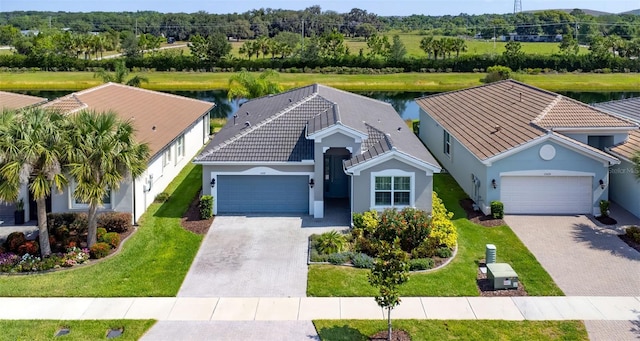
x=502 y=276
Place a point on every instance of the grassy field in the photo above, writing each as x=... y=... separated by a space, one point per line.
x=456 y=279
x=79 y=330
x=423 y=330
x=391 y=82
x=153 y=262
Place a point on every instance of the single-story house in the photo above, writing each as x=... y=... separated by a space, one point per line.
x=14 y=101
x=295 y=151
x=536 y=151
x=625 y=184
x=174 y=127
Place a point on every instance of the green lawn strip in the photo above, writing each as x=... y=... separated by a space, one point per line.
x=456 y=279
x=153 y=262
x=390 y=82
x=35 y=330
x=354 y=330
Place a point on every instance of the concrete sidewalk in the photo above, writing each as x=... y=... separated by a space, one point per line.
x=626 y=308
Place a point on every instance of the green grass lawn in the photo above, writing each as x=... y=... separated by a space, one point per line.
x=355 y=330
x=79 y=330
x=456 y=279
x=392 y=82
x=153 y=262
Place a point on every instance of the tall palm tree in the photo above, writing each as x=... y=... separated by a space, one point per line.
x=245 y=85
x=31 y=152
x=120 y=75
x=102 y=154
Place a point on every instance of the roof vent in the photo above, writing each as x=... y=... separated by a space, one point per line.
x=247 y=124
x=521 y=97
x=497 y=128
x=247 y=113
x=234 y=118
x=153 y=128
x=290 y=100
x=399 y=128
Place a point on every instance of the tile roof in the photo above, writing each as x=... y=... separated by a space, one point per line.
x=628 y=148
x=494 y=118
x=10 y=100
x=630 y=109
x=272 y=128
x=158 y=118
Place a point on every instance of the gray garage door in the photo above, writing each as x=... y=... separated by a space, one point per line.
x=263 y=194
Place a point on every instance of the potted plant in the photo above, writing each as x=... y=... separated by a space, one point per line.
x=18 y=214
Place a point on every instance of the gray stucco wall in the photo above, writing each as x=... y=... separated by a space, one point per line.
x=362 y=185
x=122 y=200
x=624 y=187
x=584 y=137
x=461 y=165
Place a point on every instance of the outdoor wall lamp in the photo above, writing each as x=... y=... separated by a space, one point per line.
x=601 y=183
x=213 y=183
x=493 y=183
x=312 y=183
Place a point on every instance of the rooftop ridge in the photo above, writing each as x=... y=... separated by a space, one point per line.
x=245 y=132
x=547 y=109
x=318 y=86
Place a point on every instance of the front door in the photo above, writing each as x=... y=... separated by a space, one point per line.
x=336 y=181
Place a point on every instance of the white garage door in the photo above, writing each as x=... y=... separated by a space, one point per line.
x=546 y=194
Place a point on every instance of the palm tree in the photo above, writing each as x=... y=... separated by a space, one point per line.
x=426 y=44
x=102 y=154
x=459 y=45
x=120 y=75
x=31 y=152
x=636 y=164
x=245 y=85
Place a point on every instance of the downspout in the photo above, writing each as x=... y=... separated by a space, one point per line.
x=135 y=221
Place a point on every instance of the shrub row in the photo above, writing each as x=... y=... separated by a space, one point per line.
x=11 y=262
x=347 y=64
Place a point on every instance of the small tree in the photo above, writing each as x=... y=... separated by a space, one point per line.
x=636 y=164
x=390 y=270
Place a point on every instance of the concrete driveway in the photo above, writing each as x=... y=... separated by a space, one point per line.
x=582 y=257
x=243 y=256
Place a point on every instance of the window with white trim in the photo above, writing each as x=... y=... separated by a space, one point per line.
x=180 y=148
x=77 y=203
x=166 y=157
x=393 y=188
x=447 y=144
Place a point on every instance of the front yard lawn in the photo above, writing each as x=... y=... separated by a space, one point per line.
x=354 y=330
x=152 y=262
x=78 y=330
x=456 y=279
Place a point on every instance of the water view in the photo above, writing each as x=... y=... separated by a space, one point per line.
x=403 y=102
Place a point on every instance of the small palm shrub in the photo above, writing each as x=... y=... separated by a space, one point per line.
x=161 y=197
x=100 y=250
x=331 y=242
x=604 y=208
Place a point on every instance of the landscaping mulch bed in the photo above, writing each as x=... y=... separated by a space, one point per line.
x=477 y=217
x=396 y=335
x=630 y=241
x=485 y=287
x=606 y=220
x=191 y=220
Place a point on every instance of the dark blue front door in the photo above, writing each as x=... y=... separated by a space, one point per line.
x=336 y=184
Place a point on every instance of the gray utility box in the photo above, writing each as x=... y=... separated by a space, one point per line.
x=502 y=276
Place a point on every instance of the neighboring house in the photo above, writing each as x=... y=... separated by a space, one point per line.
x=292 y=152
x=13 y=101
x=625 y=185
x=174 y=127
x=536 y=151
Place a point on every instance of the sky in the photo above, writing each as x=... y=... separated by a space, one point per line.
x=379 y=7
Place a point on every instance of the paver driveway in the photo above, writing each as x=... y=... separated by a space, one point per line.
x=584 y=259
x=251 y=257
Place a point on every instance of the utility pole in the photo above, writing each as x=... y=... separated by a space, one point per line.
x=517 y=6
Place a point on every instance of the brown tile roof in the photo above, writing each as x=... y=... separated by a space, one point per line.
x=628 y=148
x=158 y=118
x=493 y=118
x=10 y=100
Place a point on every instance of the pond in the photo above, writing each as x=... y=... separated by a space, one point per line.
x=402 y=101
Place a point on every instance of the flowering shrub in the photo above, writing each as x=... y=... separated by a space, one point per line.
x=100 y=250
x=10 y=262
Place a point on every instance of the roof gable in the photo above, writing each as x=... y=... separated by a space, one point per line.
x=494 y=118
x=158 y=118
x=279 y=122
